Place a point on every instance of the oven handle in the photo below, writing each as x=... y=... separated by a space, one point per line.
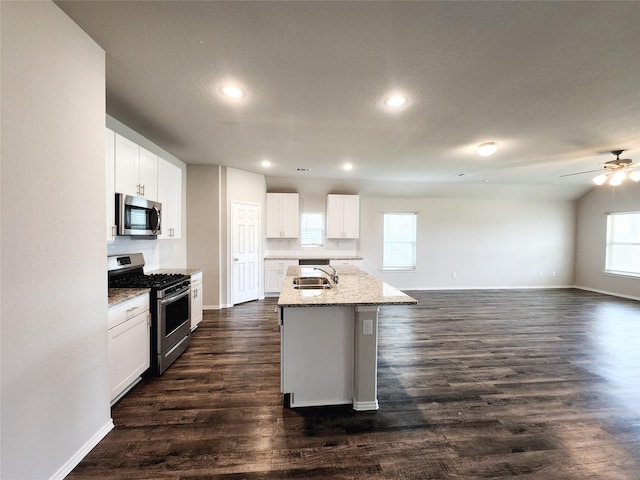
x=184 y=293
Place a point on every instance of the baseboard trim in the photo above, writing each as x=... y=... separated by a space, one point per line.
x=604 y=292
x=216 y=307
x=84 y=450
x=536 y=287
x=365 y=406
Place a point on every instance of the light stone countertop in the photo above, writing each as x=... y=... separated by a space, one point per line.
x=119 y=295
x=354 y=287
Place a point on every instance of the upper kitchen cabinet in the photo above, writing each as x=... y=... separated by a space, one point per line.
x=136 y=169
x=283 y=215
x=110 y=146
x=343 y=216
x=170 y=196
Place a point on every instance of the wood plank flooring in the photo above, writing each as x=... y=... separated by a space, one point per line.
x=532 y=384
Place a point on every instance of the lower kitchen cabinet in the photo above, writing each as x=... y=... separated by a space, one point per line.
x=274 y=273
x=196 y=299
x=354 y=262
x=129 y=344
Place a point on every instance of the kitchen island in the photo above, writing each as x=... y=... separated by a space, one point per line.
x=329 y=335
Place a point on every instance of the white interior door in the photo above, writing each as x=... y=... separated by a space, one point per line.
x=245 y=241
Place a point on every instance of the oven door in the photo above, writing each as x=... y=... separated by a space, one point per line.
x=173 y=325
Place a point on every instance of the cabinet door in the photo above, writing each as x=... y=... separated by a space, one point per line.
x=148 y=175
x=129 y=352
x=274 y=215
x=110 y=149
x=291 y=215
x=283 y=215
x=170 y=196
x=343 y=216
x=127 y=161
x=274 y=273
x=351 y=220
x=196 y=300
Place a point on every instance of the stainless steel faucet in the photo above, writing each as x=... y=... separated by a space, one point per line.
x=334 y=277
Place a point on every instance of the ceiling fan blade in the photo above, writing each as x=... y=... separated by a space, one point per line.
x=580 y=173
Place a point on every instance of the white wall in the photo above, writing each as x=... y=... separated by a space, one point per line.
x=592 y=234
x=486 y=243
x=165 y=253
x=55 y=393
x=205 y=229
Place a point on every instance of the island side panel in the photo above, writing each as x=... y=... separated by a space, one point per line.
x=317 y=355
x=365 y=395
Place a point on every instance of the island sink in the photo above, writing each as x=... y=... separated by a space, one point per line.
x=311 y=282
x=329 y=336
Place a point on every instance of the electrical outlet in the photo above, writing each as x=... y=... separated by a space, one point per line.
x=453 y=274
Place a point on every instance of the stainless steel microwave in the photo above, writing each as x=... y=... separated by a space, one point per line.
x=136 y=216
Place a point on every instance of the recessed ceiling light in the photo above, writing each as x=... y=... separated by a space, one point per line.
x=232 y=92
x=395 y=101
x=347 y=166
x=486 y=149
x=265 y=163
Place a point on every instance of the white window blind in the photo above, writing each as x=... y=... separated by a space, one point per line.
x=623 y=244
x=399 y=250
x=311 y=229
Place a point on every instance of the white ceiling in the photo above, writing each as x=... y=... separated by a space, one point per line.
x=555 y=84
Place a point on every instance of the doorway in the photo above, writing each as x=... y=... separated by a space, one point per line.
x=245 y=252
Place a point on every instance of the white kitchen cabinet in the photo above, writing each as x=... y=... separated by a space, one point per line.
x=170 y=196
x=353 y=262
x=129 y=344
x=274 y=273
x=110 y=149
x=343 y=216
x=136 y=169
x=196 y=299
x=283 y=215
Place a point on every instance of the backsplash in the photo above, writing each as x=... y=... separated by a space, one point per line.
x=149 y=249
x=340 y=248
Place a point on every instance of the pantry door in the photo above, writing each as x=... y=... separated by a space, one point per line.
x=245 y=260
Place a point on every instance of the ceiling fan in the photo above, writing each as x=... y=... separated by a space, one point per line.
x=615 y=171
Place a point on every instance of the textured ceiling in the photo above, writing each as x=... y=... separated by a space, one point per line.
x=555 y=84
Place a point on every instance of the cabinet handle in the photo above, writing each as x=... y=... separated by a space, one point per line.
x=113 y=230
x=142 y=190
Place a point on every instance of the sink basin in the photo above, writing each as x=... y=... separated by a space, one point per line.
x=311 y=283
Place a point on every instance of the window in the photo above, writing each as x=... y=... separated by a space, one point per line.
x=311 y=229
x=623 y=244
x=399 y=250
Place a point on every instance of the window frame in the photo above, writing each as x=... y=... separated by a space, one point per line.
x=302 y=230
x=611 y=243
x=410 y=266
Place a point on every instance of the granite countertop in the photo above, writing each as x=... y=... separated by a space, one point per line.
x=354 y=287
x=119 y=295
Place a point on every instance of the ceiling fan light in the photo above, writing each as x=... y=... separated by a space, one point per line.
x=486 y=149
x=617 y=178
x=600 y=179
x=635 y=176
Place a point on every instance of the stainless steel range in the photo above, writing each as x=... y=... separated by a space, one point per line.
x=170 y=306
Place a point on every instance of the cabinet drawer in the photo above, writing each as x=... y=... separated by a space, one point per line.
x=196 y=278
x=124 y=311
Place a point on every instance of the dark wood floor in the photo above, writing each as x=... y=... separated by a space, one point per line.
x=536 y=384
